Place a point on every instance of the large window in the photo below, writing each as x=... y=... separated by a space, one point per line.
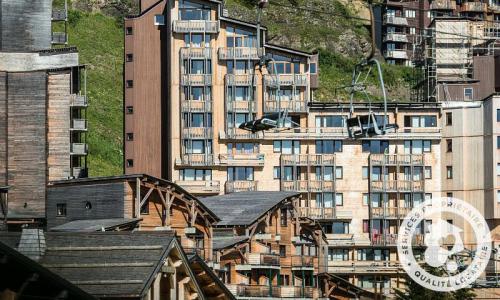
x=417 y=146
x=195 y=174
x=420 y=121
x=327 y=199
x=375 y=147
x=197 y=146
x=198 y=93
x=286 y=147
x=238 y=67
x=197 y=40
x=373 y=254
x=236 y=37
x=193 y=11
x=335 y=254
x=239 y=173
x=238 y=93
x=198 y=66
x=329 y=121
x=328 y=146
x=242 y=148
x=197 y=120
x=284 y=65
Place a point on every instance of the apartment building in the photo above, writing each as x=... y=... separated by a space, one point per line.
x=42 y=108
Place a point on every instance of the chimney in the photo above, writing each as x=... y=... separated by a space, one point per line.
x=32 y=243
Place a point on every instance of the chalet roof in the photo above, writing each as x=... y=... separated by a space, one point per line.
x=244 y=208
x=106 y=264
x=95 y=225
x=205 y=274
x=221 y=242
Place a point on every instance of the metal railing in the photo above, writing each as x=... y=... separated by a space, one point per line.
x=195 y=52
x=395 y=20
x=79 y=149
x=364 y=266
x=236 y=133
x=443 y=5
x=241 y=106
x=292 y=105
x=79 y=124
x=59 y=38
x=197 y=133
x=396 y=37
x=59 y=14
x=308 y=159
x=397 y=186
x=186 y=26
x=396 y=159
x=196 y=79
x=200 y=186
x=196 y=106
x=397 y=53
x=239 y=53
x=78 y=100
x=325 y=213
x=307 y=185
x=474 y=6
x=192 y=159
x=264 y=291
x=286 y=79
x=390 y=212
x=240 y=79
x=243 y=159
x=241 y=186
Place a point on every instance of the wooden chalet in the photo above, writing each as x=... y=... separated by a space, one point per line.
x=262 y=248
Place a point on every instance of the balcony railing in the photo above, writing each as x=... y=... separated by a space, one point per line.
x=399 y=54
x=325 y=213
x=390 y=212
x=239 y=53
x=241 y=186
x=187 y=26
x=363 y=266
x=389 y=19
x=194 y=52
x=286 y=80
x=197 y=133
x=59 y=38
x=79 y=124
x=397 y=186
x=249 y=159
x=308 y=159
x=384 y=239
x=474 y=7
x=196 y=106
x=79 y=149
x=302 y=261
x=241 y=106
x=59 y=14
x=307 y=185
x=443 y=5
x=396 y=37
x=195 y=160
x=241 y=79
x=199 y=186
x=263 y=259
x=396 y=159
x=240 y=134
x=196 y=79
x=264 y=291
x=291 y=106
x=78 y=100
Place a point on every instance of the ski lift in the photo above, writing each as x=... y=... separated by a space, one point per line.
x=360 y=126
x=268 y=121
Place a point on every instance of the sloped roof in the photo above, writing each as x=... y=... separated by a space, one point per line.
x=244 y=208
x=95 y=225
x=221 y=242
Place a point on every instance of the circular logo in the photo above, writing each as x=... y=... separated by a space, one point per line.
x=455 y=275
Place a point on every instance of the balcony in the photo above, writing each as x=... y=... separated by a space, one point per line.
x=259 y=261
x=292 y=106
x=241 y=186
x=59 y=14
x=241 y=106
x=196 y=79
x=79 y=172
x=197 y=133
x=286 y=80
x=195 y=160
x=305 y=186
x=302 y=262
x=393 y=20
x=308 y=159
x=421 y=132
x=398 y=54
x=78 y=125
x=325 y=213
x=59 y=38
x=266 y=291
x=79 y=149
x=238 y=134
x=239 y=53
x=443 y=5
x=396 y=159
x=384 y=239
x=309 y=133
x=474 y=7
x=187 y=26
x=416 y=186
x=240 y=79
x=78 y=100
x=194 y=52
x=196 y=106
x=347 y=239
x=200 y=187
x=396 y=37
x=389 y=212
x=243 y=159
x=363 y=266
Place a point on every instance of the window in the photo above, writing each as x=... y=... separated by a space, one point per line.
x=276 y=172
x=61 y=209
x=375 y=147
x=130 y=110
x=498 y=115
x=130 y=136
x=412 y=30
x=328 y=146
x=410 y=13
x=449 y=145
x=365 y=172
x=449 y=119
x=428 y=197
x=373 y=254
x=195 y=174
x=339 y=199
x=286 y=147
x=449 y=196
x=130 y=83
x=324 y=200
x=330 y=121
x=313 y=68
x=366 y=226
x=284 y=217
x=197 y=146
x=282 y=250
x=340 y=227
x=366 y=199
x=417 y=146
x=420 y=121
x=449 y=172
x=498 y=169
x=428 y=172
x=130 y=163
x=129 y=57
x=240 y=173
x=128 y=31
x=335 y=254
x=159 y=20
x=498 y=196
x=468 y=93
x=339 y=172
x=498 y=142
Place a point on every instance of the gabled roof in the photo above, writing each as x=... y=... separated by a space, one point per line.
x=205 y=276
x=96 y=225
x=244 y=208
x=222 y=242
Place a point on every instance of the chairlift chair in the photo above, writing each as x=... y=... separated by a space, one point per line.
x=367 y=126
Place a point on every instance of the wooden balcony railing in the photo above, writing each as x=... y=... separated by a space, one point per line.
x=79 y=124
x=263 y=259
x=236 y=133
x=239 y=53
x=241 y=79
x=78 y=100
x=197 y=133
x=389 y=19
x=250 y=159
x=397 y=186
x=443 y=5
x=390 y=212
x=303 y=261
x=384 y=239
x=396 y=159
x=59 y=38
x=196 y=106
x=186 y=26
x=307 y=185
x=200 y=186
x=474 y=7
x=202 y=159
x=265 y=291
x=241 y=186
x=291 y=106
x=325 y=213
x=286 y=80
x=79 y=149
x=308 y=159
x=195 y=52
x=241 y=106
x=196 y=79
x=364 y=266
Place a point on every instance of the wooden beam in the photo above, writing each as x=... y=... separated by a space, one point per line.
x=147 y=196
x=137 y=207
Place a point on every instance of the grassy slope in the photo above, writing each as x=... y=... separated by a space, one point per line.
x=100 y=43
